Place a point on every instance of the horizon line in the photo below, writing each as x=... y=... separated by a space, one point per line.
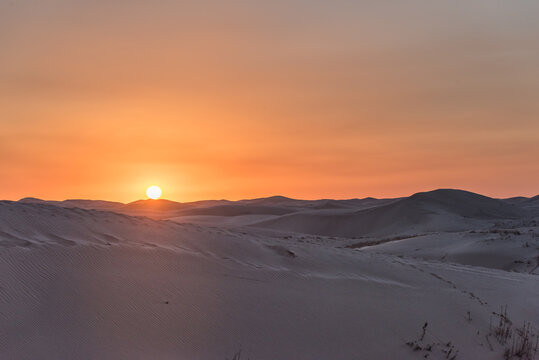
x=265 y=197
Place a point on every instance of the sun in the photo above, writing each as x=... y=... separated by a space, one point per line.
x=154 y=192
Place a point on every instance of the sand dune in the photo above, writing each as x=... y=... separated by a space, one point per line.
x=498 y=248
x=158 y=209
x=92 y=284
x=80 y=203
x=439 y=210
x=162 y=209
x=237 y=210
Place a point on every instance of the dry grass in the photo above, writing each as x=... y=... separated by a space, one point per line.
x=524 y=340
x=237 y=356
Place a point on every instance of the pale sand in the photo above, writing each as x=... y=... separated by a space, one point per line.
x=87 y=284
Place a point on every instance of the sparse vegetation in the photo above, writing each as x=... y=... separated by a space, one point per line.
x=237 y=356
x=381 y=241
x=524 y=340
x=503 y=330
x=525 y=343
x=447 y=350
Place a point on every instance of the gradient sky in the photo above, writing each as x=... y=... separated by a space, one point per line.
x=239 y=99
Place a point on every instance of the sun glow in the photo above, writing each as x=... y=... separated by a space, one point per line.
x=153 y=192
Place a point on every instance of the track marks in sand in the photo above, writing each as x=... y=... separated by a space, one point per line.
x=449 y=282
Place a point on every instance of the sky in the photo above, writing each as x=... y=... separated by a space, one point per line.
x=242 y=99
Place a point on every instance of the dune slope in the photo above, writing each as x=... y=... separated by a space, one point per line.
x=439 y=210
x=90 y=284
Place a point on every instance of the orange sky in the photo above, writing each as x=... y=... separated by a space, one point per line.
x=241 y=99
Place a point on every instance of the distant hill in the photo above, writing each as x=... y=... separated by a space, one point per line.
x=445 y=209
x=237 y=210
x=79 y=203
x=159 y=204
x=438 y=210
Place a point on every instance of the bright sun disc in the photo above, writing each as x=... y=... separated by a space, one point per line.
x=153 y=192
